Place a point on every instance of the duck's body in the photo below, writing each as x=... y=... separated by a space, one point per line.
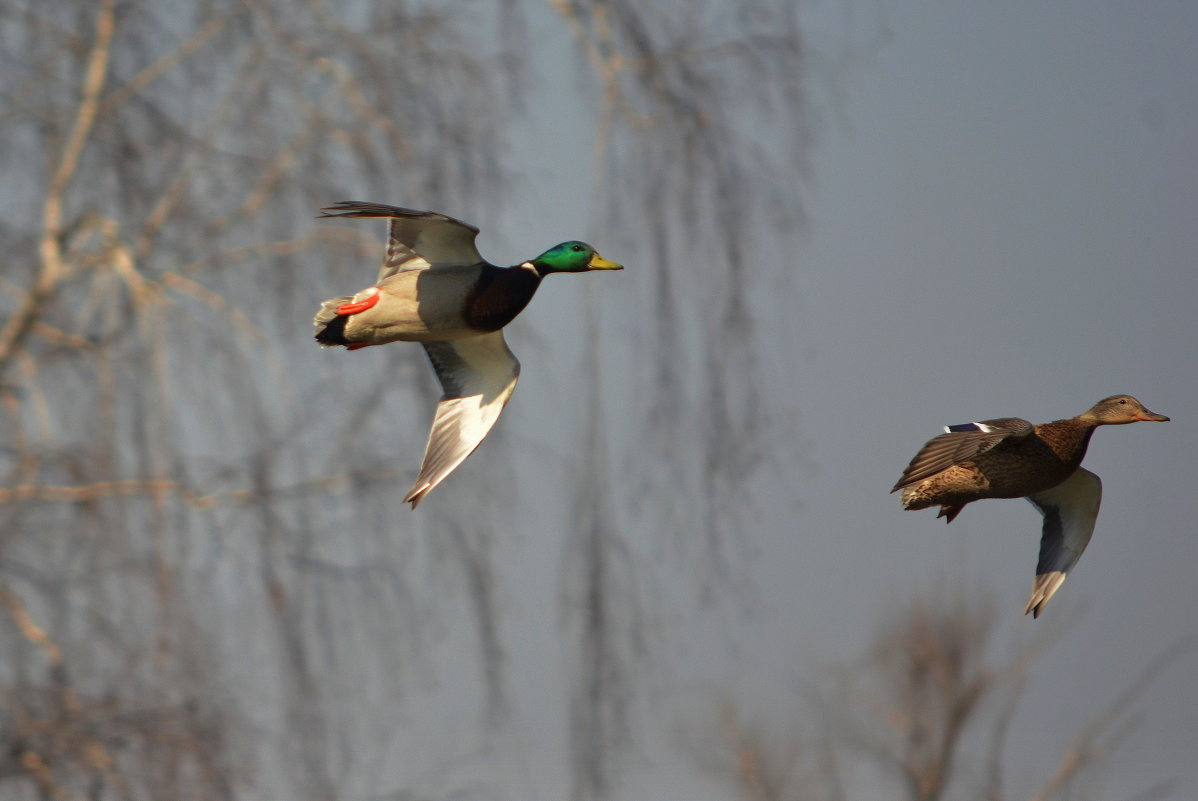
x=435 y=288
x=1011 y=458
x=430 y=306
x=1021 y=459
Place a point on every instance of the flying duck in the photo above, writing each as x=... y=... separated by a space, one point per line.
x=434 y=288
x=1011 y=458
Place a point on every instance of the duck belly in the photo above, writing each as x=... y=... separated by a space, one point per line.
x=993 y=476
x=414 y=306
x=956 y=486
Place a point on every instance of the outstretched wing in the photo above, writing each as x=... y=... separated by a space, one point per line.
x=1070 y=510
x=477 y=375
x=960 y=443
x=419 y=240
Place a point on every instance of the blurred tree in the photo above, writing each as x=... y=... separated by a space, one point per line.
x=924 y=715
x=203 y=596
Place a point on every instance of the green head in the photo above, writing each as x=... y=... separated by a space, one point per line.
x=572 y=257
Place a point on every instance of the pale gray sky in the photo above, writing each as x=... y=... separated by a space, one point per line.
x=1008 y=229
x=1000 y=220
x=1003 y=223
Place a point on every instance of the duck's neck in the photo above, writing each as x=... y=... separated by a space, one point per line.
x=500 y=294
x=1068 y=438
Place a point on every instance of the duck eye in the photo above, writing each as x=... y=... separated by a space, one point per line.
x=578 y=248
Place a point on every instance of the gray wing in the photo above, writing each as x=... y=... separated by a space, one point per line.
x=960 y=443
x=1070 y=510
x=478 y=375
x=419 y=240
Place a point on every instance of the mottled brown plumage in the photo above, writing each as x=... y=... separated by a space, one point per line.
x=1011 y=458
x=1008 y=457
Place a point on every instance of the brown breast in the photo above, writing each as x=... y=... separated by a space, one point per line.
x=1036 y=462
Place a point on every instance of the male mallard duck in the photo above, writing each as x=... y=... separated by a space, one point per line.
x=1011 y=458
x=435 y=289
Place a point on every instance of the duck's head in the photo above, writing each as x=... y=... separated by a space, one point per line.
x=571 y=257
x=1120 y=410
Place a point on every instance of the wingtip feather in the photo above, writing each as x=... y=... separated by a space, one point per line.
x=1043 y=588
x=364 y=208
x=417 y=492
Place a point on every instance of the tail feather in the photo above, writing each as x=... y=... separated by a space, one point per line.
x=330 y=326
x=915 y=497
x=950 y=511
x=912 y=498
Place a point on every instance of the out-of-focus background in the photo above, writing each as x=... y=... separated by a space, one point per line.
x=673 y=571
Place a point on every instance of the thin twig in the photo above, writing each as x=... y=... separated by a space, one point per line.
x=118 y=97
x=163 y=488
x=53 y=266
x=29 y=629
x=1086 y=747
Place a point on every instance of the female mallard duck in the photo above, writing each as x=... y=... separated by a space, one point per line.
x=1011 y=458
x=434 y=288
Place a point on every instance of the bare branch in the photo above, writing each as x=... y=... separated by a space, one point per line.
x=29 y=629
x=53 y=269
x=1097 y=739
x=167 y=61
x=159 y=489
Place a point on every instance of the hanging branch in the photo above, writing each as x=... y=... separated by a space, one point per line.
x=53 y=266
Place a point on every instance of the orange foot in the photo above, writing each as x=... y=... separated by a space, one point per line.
x=362 y=305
